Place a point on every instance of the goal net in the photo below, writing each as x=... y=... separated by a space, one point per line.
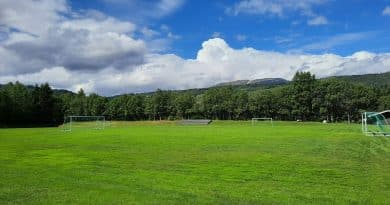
x=376 y=123
x=89 y=122
x=262 y=120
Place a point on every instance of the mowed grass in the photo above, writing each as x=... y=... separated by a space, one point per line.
x=223 y=163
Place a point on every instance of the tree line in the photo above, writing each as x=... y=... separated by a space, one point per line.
x=305 y=98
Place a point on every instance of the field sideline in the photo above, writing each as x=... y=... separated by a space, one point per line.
x=226 y=162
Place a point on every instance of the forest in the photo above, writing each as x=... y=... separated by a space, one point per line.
x=304 y=98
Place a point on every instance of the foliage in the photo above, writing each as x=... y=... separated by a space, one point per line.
x=377 y=80
x=305 y=98
x=20 y=106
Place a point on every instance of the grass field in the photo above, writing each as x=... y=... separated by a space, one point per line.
x=223 y=163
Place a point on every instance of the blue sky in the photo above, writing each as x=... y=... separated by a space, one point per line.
x=352 y=25
x=124 y=46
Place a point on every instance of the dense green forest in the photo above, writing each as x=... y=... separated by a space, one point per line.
x=381 y=79
x=304 y=98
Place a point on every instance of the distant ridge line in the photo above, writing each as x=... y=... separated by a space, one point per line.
x=262 y=81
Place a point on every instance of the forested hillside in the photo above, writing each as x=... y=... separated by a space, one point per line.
x=304 y=98
x=264 y=82
x=382 y=79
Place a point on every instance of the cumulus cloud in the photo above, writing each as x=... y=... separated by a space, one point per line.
x=79 y=49
x=59 y=75
x=76 y=41
x=215 y=62
x=98 y=24
x=31 y=16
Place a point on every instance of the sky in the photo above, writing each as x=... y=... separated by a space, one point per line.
x=112 y=47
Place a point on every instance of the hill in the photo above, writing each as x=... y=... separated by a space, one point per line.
x=55 y=91
x=381 y=79
x=257 y=82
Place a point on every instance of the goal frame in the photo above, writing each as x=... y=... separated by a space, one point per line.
x=71 y=117
x=262 y=119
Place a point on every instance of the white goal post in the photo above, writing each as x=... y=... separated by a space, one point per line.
x=92 y=122
x=256 y=119
x=376 y=123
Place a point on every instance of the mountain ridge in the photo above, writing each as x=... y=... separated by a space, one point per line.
x=260 y=81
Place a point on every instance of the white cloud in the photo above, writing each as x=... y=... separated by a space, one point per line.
x=77 y=49
x=77 y=41
x=31 y=16
x=386 y=11
x=216 y=62
x=59 y=75
x=316 y=21
x=101 y=25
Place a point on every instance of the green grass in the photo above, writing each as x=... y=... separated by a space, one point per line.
x=223 y=163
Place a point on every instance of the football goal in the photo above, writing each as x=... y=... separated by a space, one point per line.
x=90 y=122
x=258 y=120
x=376 y=123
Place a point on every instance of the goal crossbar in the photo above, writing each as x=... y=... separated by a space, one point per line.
x=262 y=119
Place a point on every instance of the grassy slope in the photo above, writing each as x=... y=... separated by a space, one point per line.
x=224 y=163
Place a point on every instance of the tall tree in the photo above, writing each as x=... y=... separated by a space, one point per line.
x=78 y=105
x=135 y=107
x=218 y=103
x=20 y=106
x=240 y=105
x=183 y=104
x=96 y=104
x=160 y=104
x=303 y=87
x=384 y=102
x=43 y=104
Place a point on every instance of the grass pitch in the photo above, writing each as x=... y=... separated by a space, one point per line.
x=223 y=163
